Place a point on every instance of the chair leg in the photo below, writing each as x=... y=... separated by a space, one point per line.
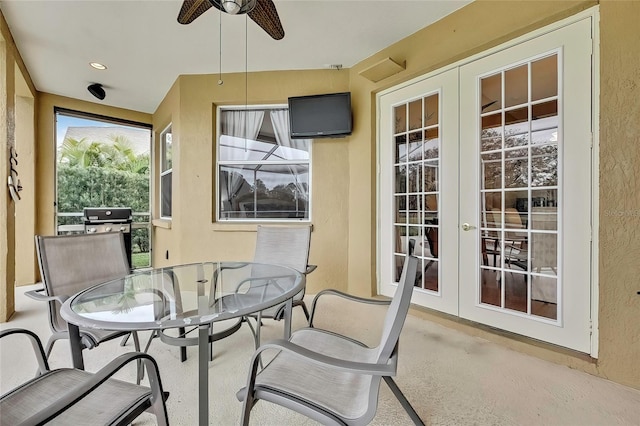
x=49 y=346
x=154 y=334
x=258 y=327
x=403 y=401
x=305 y=310
x=253 y=331
x=125 y=339
x=136 y=345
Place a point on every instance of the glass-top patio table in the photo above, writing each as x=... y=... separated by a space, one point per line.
x=197 y=294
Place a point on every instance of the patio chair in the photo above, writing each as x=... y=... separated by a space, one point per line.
x=286 y=246
x=280 y=245
x=70 y=264
x=73 y=397
x=332 y=378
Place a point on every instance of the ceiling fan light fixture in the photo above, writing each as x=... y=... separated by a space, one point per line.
x=232 y=6
x=237 y=7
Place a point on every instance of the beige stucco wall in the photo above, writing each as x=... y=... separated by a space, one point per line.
x=619 y=235
x=26 y=270
x=16 y=121
x=194 y=235
x=7 y=206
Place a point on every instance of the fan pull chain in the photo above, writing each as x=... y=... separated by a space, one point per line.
x=220 y=82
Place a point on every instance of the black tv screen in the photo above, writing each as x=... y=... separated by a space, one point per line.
x=320 y=116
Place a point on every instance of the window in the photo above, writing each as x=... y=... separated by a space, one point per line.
x=166 y=171
x=263 y=174
x=104 y=162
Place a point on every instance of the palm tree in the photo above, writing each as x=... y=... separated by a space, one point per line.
x=118 y=155
x=80 y=153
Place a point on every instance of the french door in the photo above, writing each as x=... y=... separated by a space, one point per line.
x=494 y=195
x=419 y=186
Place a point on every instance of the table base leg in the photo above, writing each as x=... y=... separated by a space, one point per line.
x=76 y=346
x=203 y=374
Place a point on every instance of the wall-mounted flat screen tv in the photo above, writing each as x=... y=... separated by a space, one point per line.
x=320 y=116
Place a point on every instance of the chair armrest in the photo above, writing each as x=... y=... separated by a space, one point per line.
x=310 y=269
x=39 y=295
x=318 y=358
x=43 y=364
x=76 y=394
x=344 y=296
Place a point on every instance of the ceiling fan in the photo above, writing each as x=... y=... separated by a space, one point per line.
x=262 y=12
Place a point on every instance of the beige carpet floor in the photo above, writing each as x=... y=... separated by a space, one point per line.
x=449 y=377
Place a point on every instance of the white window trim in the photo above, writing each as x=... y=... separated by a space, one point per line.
x=165 y=172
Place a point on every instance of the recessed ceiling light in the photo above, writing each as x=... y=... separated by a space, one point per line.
x=98 y=66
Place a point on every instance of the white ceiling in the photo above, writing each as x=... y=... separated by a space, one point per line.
x=146 y=49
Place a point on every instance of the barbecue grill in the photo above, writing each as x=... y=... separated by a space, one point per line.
x=109 y=219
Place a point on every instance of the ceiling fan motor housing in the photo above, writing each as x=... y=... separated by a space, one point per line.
x=238 y=7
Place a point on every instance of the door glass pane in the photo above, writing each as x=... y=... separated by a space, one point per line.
x=516 y=129
x=417 y=186
x=519 y=190
x=415 y=114
x=491 y=170
x=515 y=85
x=400 y=118
x=491 y=89
x=544 y=165
x=431 y=109
x=544 y=78
x=516 y=168
x=401 y=179
x=431 y=147
x=401 y=147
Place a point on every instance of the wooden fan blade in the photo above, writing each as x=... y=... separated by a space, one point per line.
x=191 y=9
x=266 y=16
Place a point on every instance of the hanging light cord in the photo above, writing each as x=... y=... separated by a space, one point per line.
x=246 y=60
x=246 y=79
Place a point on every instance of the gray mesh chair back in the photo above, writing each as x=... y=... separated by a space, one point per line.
x=283 y=245
x=397 y=311
x=332 y=378
x=72 y=263
x=286 y=246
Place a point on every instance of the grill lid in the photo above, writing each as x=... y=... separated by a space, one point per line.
x=107 y=214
